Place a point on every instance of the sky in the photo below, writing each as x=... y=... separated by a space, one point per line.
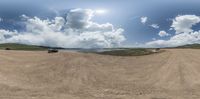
x=100 y=23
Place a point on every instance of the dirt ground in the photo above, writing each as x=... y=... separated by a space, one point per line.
x=173 y=74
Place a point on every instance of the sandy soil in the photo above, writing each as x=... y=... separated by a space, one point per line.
x=173 y=74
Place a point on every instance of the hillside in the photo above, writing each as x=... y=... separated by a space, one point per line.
x=102 y=51
x=127 y=52
x=195 y=46
x=15 y=46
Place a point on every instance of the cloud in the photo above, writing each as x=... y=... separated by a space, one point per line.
x=184 y=34
x=177 y=40
x=170 y=29
x=184 y=23
x=79 y=18
x=143 y=20
x=76 y=30
x=163 y=33
x=153 y=39
x=155 y=26
x=1 y=19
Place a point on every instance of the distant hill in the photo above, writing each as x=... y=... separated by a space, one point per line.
x=127 y=52
x=15 y=46
x=195 y=46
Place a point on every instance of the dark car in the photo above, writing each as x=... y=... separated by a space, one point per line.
x=7 y=49
x=52 y=51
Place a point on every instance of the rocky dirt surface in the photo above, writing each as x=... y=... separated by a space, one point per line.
x=173 y=74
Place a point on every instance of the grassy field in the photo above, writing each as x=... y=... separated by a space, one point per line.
x=128 y=52
x=13 y=46
x=112 y=51
x=194 y=46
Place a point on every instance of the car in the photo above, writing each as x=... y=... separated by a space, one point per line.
x=7 y=49
x=52 y=51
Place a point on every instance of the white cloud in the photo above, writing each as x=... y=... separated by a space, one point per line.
x=153 y=39
x=1 y=19
x=184 y=34
x=184 y=23
x=177 y=40
x=170 y=29
x=143 y=20
x=163 y=33
x=155 y=26
x=79 y=18
x=78 y=31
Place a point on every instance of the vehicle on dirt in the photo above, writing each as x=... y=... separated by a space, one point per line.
x=52 y=51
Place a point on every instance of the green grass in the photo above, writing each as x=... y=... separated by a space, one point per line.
x=195 y=46
x=14 y=46
x=128 y=52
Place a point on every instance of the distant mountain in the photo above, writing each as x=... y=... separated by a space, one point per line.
x=15 y=46
x=195 y=46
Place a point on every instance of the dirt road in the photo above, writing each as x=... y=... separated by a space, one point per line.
x=173 y=74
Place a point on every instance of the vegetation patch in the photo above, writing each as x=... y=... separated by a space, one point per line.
x=14 y=46
x=194 y=46
x=128 y=52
